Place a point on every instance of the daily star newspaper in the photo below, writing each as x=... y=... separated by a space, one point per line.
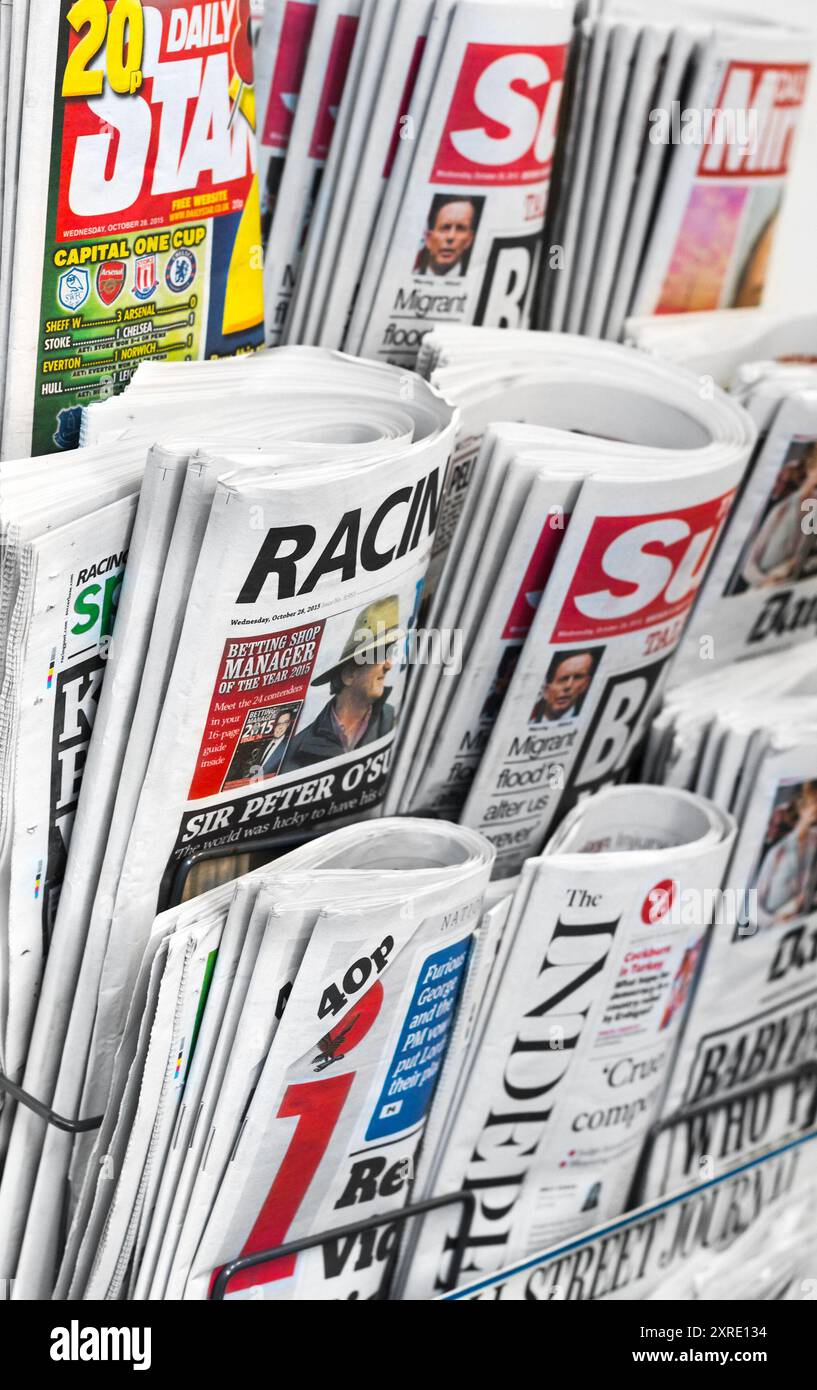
x=140 y=238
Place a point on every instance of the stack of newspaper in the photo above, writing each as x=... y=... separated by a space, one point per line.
x=747 y=1070
x=569 y=1050
x=673 y=155
x=129 y=213
x=253 y=687
x=728 y=1239
x=64 y=539
x=578 y=537
x=405 y=156
x=761 y=592
x=322 y=991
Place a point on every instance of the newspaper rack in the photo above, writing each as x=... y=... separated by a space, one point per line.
x=463 y=1198
x=371 y=1223
x=173 y=897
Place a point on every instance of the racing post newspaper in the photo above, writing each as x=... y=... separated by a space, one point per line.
x=746 y=1074
x=365 y=935
x=565 y=1072
x=268 y=702
x=581 y=539
x=140 y=238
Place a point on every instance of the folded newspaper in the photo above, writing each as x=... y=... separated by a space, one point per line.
x=718 y=343
x=761 y=592
x=746 y=1074
x=64 y=540
x=140 y=237
x=676 y=142
x=735 y=1239
x=578 y=540
x=320 y=991
x=254 y=698
x=570 y=1055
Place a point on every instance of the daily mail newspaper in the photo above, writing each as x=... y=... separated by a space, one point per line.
x=746 y=1073
x=365 y=936
x=465 y=240
x=142 y=238
x=643 y=471
x=740 y=1236
x=569 y=1068
x=713 y=233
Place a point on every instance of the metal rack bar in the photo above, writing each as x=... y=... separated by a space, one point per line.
x=803 y=1071
x=45 y=1112
x=466 y=1200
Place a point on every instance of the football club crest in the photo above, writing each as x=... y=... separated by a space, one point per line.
x=110 y=280
x=73 y=288
x=145 y=280
x=180 y=271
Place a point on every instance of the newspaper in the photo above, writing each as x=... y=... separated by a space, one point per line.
x=373 y=118
x=761 y=592
x=333 y=39
x=464 y=240
x=568 y=1070
x=280 y=58
x=732 y=1239
x=710 y=244
x=350 y=1028
x=382 y=455
x=567 y=626
x=747 y=1068
x=142 y=238
x=680 y=131
x=58 y=597
x=717 y=343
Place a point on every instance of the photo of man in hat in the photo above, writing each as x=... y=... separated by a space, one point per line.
x=357 y=711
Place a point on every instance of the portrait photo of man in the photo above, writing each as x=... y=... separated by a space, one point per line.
x=565 y=685
x=262 y=744
x=358 y=709
x=450 y=230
